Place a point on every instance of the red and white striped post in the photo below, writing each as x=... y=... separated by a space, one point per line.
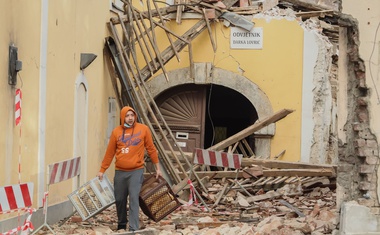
x=18 y=99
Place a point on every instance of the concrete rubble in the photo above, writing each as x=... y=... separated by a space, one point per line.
x=312 y=211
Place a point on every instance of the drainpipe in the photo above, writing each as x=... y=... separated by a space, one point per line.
x=42 y=102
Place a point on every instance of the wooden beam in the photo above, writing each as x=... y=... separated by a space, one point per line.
x=268 y=173
x=299 y=172
x=251 y=129
x=284 y=165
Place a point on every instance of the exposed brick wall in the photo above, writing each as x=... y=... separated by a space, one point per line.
x=359 y=158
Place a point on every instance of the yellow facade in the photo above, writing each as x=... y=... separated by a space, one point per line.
x=50 y=37
x=276 y=69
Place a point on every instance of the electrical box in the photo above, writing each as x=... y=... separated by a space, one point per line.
x=14 y=65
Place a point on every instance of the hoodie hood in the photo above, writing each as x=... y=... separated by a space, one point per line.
x=124 y=111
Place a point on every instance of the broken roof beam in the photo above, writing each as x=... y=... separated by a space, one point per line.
x=299 y=172
x=185 y=39
x=302 y=4
x=154 y=13
x=251 y=129
x=284 y=165
x=267 y=173
x=167 y=33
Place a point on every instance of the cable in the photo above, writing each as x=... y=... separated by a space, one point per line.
x=369 y=62
x=209 y=115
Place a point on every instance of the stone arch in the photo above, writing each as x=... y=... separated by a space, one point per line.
x=205 y=73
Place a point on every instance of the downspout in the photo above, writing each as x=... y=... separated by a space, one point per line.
x=42 y=102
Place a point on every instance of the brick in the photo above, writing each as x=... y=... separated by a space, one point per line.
x=357 y=126
x=371 y=160
x=375 y=210
x=367 y=169
x=366 y=134
x=76 y=219
x=361 y=152
x=372 y=143
x=210 y=13
x=243 y=3
x=366 y=202
x=345 y=168
x=362 y=101
x=360 y=142
x=365 y=186
x=363 y=116
x=369 y=152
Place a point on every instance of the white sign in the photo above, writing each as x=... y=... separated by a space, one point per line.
x=181 y=144
x=243 y=39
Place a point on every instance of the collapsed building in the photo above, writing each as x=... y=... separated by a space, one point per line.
x=271 y=80
x=324 y=28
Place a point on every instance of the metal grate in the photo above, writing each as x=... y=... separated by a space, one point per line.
x=92 y=197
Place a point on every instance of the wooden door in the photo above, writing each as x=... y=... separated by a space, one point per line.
x=183 y=109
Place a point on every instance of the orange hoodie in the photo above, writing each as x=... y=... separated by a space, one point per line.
x=128 y=145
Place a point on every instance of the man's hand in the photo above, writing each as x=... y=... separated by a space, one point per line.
x=158 y=170
x=158 y=173
x=100 y=176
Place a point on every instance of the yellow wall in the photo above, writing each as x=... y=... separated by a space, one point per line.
x=276 y=69
x=74 y=27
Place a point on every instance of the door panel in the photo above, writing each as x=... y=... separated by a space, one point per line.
x=183 y=109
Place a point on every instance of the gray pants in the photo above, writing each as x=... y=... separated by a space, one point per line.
x=128 y=184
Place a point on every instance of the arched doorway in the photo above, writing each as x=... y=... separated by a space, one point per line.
x=202 y=115
x=226 y=90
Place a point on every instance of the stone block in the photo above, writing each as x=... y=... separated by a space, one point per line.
x=357 y=219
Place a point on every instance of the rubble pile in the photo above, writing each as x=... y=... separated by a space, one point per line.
x=283 y=211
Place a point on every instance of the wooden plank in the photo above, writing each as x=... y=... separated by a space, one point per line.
x=266 y=196
x=299 y=172
x=200 y=225
x=303 y=4
x=209 y=30
x=216 y=174
x=251 y=129
x=284 y=164
x=167 y=33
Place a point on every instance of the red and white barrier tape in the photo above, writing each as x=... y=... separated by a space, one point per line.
x=192 y=197
x=25 y=228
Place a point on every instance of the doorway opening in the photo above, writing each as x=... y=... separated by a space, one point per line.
x=205 y=114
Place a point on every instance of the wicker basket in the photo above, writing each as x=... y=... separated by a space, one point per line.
x=157 y=200
x=92 y=197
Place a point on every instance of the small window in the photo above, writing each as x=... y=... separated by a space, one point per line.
x=112 y=122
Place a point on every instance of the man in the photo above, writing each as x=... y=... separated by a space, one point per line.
x=127 y=144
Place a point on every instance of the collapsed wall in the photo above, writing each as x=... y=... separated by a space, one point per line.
x=358 y=152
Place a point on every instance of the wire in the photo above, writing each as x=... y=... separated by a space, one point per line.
x=369 y=62
x=22 y=83
x=209 y=115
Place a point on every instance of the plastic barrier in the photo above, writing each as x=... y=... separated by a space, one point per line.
x=17 y=198
x=58 y=172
